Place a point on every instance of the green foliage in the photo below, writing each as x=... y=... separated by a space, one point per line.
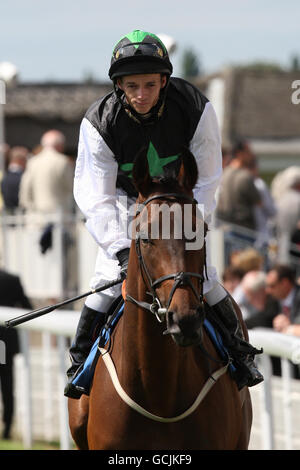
x=190 y=64
x=295 y=63
x=260 y=66
x=8 y=444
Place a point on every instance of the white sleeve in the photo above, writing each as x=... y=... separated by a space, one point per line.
x=95 y=190
x=206 y=148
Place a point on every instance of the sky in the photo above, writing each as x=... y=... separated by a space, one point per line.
x=68 y=40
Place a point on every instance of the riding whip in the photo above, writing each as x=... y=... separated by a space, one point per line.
x=42 y=311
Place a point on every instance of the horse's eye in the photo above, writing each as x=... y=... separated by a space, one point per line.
x=144 y=237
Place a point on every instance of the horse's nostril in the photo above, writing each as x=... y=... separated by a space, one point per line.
x=188 y=325
x=172 y=324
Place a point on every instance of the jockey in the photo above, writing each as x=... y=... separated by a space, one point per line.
x=148 y=109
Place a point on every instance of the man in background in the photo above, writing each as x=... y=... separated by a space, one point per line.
x=281 y=284
x=258 y=307
x=238 y=197
x=47 y=183
x=238 y=194
x=11 y=295
x=46 y=193
x=10 y=184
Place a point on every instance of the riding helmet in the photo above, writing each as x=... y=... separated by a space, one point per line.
x=139 y=52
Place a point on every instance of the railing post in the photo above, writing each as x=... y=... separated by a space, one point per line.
x=266 y=404
x=63 y=404
x=26 y=390
x=215 y=239
x=287 y=372
x=47 y=388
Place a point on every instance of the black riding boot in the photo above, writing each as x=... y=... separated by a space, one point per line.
x=226 y=321
x=89 y=321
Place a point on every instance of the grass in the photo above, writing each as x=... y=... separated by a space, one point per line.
x=18 y=445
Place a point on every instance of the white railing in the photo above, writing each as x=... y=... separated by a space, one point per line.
x=62 y=324
x=64 y=270
x=287 y=348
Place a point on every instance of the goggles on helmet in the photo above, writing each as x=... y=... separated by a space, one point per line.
x=144 y=49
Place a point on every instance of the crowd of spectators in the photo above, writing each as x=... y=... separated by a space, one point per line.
x=252 y=214
x=267 y=289
x=39 y=183
x=42 y=180
x=267 y=298
x=265 y=282
x=261 y=286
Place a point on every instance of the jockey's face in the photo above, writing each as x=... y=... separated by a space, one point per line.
x=142 y=91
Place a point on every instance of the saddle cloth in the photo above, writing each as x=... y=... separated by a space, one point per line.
x=85 y=376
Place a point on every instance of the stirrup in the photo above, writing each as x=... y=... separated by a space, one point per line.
x=246 y=373
x=71 y=390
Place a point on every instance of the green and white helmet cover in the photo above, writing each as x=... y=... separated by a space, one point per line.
x=139 y=52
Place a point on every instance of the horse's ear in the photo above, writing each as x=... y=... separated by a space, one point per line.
x=140 y=173
x=188 y=172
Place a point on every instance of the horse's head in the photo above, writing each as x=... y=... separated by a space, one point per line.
x=170 y=231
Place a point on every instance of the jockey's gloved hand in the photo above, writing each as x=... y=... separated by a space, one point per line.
x=123 y=257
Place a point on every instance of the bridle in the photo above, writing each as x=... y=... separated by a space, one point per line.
x=180 y=278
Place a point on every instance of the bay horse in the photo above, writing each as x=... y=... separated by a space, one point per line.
x=162 y=358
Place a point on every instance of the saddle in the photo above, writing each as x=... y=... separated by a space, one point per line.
x=85 y=377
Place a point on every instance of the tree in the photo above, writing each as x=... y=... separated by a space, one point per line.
x=190 y=64
x=262 y=66
x=295 y=63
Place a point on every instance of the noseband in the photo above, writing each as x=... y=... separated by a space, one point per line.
x=180 y=278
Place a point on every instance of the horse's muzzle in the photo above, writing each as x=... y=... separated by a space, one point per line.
x=186 y=329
